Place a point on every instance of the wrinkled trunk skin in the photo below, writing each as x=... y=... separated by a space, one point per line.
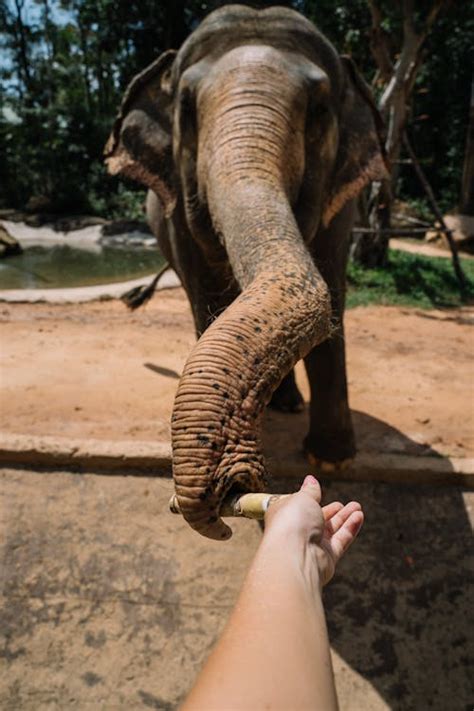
x=281 y=314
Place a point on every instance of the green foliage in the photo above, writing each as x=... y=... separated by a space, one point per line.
x=420 y=208
x=65 y=64
x=440 y=110
x=347 y=25
x=123 y=200
x=409 y=280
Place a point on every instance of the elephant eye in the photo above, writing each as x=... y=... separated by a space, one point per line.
x=319 y=108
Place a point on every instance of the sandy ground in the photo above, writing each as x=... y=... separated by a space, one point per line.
x=98 y=371
x=109 y=602
x=427 y=249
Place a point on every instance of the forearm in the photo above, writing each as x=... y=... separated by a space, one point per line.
x=274 y=652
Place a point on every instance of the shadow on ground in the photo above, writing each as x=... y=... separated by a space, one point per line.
x=400 y=609
x=283 y=436
x=111 y=602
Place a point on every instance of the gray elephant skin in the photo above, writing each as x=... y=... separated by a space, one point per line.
x=254 y=140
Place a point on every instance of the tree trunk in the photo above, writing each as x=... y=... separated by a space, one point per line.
x=371 y=249
x=23 y=61
x=467 y=188
x=85 y=61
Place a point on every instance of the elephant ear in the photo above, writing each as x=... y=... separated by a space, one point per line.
x=140 y=145
x=361 y=154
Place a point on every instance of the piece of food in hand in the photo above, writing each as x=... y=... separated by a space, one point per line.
x=247 y=505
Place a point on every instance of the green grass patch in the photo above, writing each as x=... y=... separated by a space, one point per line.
x=410 y=280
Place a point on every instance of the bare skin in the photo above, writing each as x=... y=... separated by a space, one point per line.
x=274 y=652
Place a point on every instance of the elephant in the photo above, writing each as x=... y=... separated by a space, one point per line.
x=255 y=139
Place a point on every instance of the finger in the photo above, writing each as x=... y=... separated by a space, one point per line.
x=331 y=509
x=312 y=486
x=335 y=522
x=345 y=536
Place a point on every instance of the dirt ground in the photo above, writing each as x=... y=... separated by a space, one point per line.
x=96 y=370
x=109 y=602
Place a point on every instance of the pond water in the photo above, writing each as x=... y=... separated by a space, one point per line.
x=63 y=266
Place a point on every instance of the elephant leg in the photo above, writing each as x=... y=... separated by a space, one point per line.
x=287 y=397
x=207 y=303
x=331 y=435
x=209 y=290
x=331 y=438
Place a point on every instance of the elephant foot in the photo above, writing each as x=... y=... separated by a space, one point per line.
x=287 y=397
x=325 y=467
x=330 y=454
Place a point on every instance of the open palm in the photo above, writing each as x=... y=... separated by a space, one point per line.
x=325 y=533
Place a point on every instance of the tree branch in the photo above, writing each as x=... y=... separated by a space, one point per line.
x=437 y=213
x=379 y=43
x=406 y=67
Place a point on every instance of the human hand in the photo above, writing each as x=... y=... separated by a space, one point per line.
x=320 y=535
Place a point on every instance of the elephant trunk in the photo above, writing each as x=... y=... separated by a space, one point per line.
x=281 y=314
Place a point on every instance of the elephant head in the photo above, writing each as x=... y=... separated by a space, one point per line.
x=254 y=133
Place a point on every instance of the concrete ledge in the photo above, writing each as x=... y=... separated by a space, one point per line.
x=388 y=468
x=154 y=458
x=92 y=454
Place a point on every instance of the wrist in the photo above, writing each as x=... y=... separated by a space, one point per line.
x=292 y=550
x=282 y=550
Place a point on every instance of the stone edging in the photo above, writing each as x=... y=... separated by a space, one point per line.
x=154 y=458
x=91 y=454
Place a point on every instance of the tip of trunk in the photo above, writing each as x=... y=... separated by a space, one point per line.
x=206 y=523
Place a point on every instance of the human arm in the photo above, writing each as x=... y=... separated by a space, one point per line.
x=274 y=652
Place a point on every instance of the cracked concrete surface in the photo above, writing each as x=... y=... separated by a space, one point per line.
x=109 y=602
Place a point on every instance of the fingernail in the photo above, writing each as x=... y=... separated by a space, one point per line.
x=310 y=480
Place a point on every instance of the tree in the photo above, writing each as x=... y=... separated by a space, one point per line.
x=66 y=63
x=396 y=76
x=467 y=188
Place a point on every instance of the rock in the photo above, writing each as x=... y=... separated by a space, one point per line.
x=463 y=233
x=38 y=203
x=11 y=215
x=59 y=223
x=8 y=244
x=119 y=227
x=37 y=220
x=76 y=222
